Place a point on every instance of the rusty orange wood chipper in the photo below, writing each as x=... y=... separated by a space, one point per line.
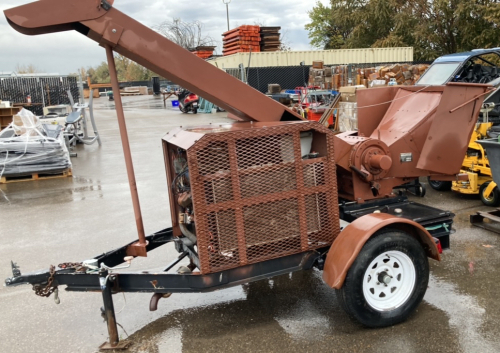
x=275 y=194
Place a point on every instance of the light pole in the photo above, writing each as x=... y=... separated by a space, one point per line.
x=227 y=11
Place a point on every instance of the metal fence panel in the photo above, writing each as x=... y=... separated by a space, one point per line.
x=44 y=91
x=287 y=77
x=290 y=77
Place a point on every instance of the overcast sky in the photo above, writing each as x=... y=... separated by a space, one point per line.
x=65 y=52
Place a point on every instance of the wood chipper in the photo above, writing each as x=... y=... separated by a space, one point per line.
x=274 y=194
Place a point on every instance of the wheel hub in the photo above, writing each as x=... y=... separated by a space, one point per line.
x=389 y=281
x=384 y=278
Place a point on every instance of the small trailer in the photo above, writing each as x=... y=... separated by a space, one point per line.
x=274 y=194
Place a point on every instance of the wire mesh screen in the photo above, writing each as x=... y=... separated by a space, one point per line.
x=257 y=196
x=43 y=91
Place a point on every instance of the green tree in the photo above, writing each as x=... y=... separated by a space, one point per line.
x=126 y=69
x=101 y=73
x=431 y=27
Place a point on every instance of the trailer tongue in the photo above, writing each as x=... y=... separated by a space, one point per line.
x=257 y=199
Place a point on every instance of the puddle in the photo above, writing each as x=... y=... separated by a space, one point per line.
x=304 y=322
x=464 y=313
x=170 y=341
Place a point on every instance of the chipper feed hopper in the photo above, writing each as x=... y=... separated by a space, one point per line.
x=274 y=194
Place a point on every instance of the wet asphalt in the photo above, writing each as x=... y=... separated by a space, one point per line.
x=72 y=219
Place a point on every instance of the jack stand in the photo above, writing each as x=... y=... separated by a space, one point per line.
x=106 y=280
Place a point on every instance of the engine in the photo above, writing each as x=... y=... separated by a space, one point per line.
x=250 y=192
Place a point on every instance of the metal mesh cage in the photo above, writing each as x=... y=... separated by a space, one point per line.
x=256 y=197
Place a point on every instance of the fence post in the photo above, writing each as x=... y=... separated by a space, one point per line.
x=242 y=73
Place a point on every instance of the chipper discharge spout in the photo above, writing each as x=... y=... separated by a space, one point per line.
x=404 y=133
x=106 y=25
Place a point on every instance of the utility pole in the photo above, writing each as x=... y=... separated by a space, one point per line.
x=227 y=11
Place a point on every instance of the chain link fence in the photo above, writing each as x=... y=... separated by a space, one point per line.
x=164 y=84
x=43 y=91
x=290 y=77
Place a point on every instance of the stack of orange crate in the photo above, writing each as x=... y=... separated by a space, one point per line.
x=241 y=39
x=203 y=52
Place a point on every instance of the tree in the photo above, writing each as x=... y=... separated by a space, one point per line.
x=101 y=73
x=126 y=69
x=331 y=27
x=431 y=27
x=188 y=35
x=27 y=69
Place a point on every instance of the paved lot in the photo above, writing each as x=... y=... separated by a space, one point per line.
x=60 y=220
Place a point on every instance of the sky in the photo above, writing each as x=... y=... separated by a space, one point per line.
x=66 y=52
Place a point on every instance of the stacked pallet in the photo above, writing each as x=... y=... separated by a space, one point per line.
x=30 y=150
x=270 y=38
x=203 y=52
x=241 y=39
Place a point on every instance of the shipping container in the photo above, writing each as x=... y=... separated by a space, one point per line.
x=329 y=57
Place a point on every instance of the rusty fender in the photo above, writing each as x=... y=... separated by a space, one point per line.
x=348 y=244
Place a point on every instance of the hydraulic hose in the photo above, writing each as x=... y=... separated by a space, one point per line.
x=187 y=233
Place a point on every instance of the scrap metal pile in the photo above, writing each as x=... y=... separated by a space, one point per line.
x=335 y=77
x=27 y=146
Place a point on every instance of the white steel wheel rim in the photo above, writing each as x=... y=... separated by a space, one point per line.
x=389 y=281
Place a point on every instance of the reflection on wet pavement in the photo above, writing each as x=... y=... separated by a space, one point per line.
x=304 y=322
x=290 y=313
x=170 y=341
x=465 y=315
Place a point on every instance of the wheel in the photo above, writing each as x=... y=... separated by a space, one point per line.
x=439 y=185
x=494 y=198
x=387 y=281
x=420 y=190
x=195 y=110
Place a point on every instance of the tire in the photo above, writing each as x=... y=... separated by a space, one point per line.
x=420 y=190
x=494 y=199
x=195 y=110
x=439 y=185
x=366 y=298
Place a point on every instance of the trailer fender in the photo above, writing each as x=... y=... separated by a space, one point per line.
x=348 y=244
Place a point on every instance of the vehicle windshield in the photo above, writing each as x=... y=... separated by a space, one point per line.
x=438 y=74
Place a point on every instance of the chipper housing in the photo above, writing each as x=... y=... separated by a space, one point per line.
x=250 y=192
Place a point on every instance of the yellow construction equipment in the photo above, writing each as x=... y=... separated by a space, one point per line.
x=476 y=165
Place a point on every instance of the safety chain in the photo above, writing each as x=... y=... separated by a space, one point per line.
x=48 y=289
x=77 y=266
